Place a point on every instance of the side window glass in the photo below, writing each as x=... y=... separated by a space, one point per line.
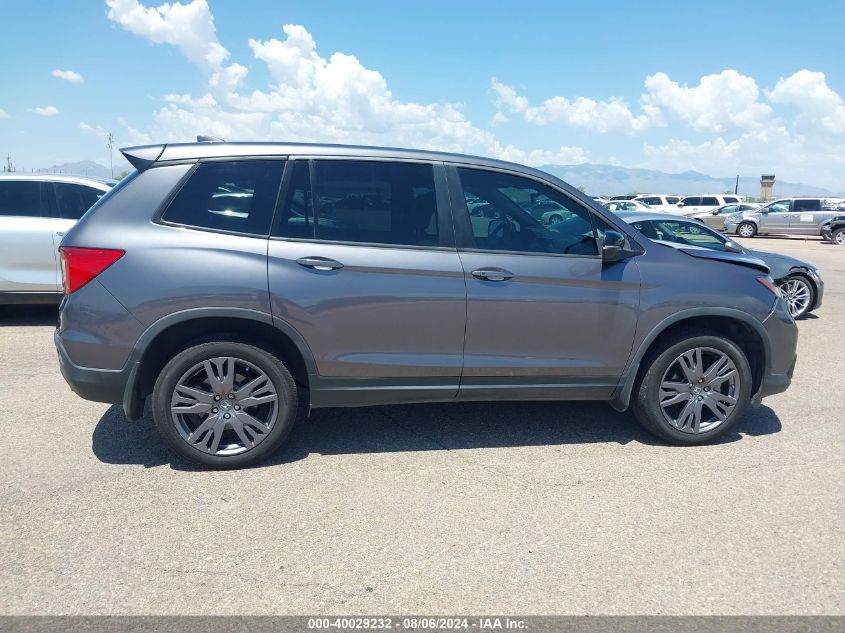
x=688 y=234
x=295 y=216
x=75 y=200
x=512 y=213
x=709 y=201
x=807 y=205
x=692 y=201
x=24 y=198
x=375 y=202
x=781 y=206
x=730 y=208
x=231 y=196
x=672 y=200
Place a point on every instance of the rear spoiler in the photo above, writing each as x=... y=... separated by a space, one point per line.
x=142 y=157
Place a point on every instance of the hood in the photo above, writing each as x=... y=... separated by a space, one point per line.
x=780 y=265
x=740 y=259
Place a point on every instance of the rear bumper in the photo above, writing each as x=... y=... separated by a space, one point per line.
x=99 y=385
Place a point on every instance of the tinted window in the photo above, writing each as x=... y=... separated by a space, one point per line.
x=74 y=200
x=731 y=199
x=651 y=201
x=672 y=199
x=236 y=196
x=692 y=201
x=807 y=205
x=501 y=208
x=371 y=202
x=709 y=201
x=23 y=198
x=295 y=215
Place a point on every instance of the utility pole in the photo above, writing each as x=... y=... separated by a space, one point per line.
x=736 y=188
x=111 y=158
x=8 y=167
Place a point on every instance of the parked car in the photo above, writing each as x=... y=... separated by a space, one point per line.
x=660 y=203
x=36 y=213
x=715 y=219
x=626 y=205
x=799 y=281
x=235 y=322
x=693 y=205
x=790 y=216
x=834 y=230
x=600 y=199
x=625 y=196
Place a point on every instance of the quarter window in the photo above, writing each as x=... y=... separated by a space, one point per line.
x=512 y=213
x=731 y=199
x=25 y=198
x=229 y=196
x=75 y=200
x=672 y=199
x=807 y=205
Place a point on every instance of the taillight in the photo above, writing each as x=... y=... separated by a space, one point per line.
x=81 y=265
x=767 y=281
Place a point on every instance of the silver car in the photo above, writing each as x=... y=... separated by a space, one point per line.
x=791 y=216
x=715 y=219
x=35 y=213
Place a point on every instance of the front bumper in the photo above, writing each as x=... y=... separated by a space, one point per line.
x=730 y=226
x=783 y=339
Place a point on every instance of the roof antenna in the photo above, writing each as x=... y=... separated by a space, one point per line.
x=209 y=139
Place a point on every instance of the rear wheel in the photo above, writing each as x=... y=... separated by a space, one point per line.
x=798 y=294
x=838 y=237
x=747 y=229
x=224 y=404
x=695 y=389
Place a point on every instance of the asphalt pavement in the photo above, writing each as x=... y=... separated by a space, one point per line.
x=522 y=508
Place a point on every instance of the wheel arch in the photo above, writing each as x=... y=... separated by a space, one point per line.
x=175 y=332
x=739 y=327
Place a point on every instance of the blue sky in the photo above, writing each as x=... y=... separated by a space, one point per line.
x=719 y=87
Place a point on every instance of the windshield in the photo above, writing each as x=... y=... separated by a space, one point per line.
x=680 y=232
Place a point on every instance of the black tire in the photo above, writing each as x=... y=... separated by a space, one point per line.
x=272 y=367
x=753 y=229
x=811 y=289
x=646 y=397
x=838 y=237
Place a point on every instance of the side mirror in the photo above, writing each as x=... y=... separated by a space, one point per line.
x=733 y=247
x=714 y=212
x=613 y=246
x=680 y=204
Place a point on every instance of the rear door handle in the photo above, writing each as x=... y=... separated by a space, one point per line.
x=492 y=274
x=319 y=263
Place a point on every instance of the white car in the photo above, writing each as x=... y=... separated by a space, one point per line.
x=691 y=205
x=627 y=205
x=660 y=202
x=35 y=213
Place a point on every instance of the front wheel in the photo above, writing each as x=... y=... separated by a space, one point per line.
x=798 y=294
x=838 y=237
x=747 y=229
x=224 y=404
x=694 y=390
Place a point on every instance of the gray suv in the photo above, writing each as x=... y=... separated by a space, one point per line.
x=239 y=284
x=790 y=216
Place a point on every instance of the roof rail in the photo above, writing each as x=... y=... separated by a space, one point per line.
x=209 y=139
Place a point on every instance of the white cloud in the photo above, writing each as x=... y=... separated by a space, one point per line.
x=4 y=114
x=718 y=103
x=311 y=97
x=45 y=111
x=68 y=75
x=95 y=130
x=820 y=108
x=612 y=116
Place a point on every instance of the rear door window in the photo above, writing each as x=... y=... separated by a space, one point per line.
x=692 y=201
x=23 y=198
x=709 y=201
x=74 y=200
x=237 y=196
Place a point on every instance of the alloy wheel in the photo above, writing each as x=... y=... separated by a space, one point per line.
x=797 y=294
x=839 y=238
x=699 y=390
x=224 y=406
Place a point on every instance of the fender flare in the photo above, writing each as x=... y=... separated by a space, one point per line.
x=133 y=403
x=622 y=395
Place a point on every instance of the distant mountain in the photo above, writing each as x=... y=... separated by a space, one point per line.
x=83 y=168
x=613 y=180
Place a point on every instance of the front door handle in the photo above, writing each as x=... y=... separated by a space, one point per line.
x=319 y=263
x=492 y=274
